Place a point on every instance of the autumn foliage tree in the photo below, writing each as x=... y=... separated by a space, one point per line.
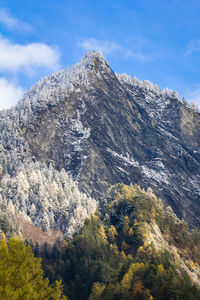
x=21 y=275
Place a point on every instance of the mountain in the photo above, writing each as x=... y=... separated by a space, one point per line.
x=85 y=129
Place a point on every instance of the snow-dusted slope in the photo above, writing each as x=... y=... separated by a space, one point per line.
x=53 y=89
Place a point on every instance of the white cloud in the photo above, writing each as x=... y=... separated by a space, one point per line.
x=25 y=58
x=193 y=46
x=10 y=93
x=135 y=55
x=106 y=47
x=12 y=23
x=193 y=95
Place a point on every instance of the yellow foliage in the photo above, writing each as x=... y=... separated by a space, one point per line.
x=149 y=191
x=126 y=226
x=150 y=249
x=97 y=291
x=131 y=232
x=21 y=274
x=176 y=255
x=130 y=257
x=146 y=235
x=128 y=192
x=3 y=237
x=112 y=233
x=128 y=277
x=115 y=248
x=112 y=230
x=140 y=250
x=20 y=236
x=191 y=265
x=95 y=218
x=138 y=287
x=160 y=270
x=136 y=223
x=123 y=255
x=126 y=281
x=102 y=232
x=125 y=246
x=3 y=244
x=191 y=277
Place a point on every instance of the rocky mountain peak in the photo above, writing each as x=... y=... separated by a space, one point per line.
x=103 y=128
x=93 y=60
x=51 y=90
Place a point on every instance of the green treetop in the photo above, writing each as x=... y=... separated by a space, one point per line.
x=21 y=275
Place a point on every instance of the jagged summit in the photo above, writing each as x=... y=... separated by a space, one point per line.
x=91 y=58
x=91 y=62
x=49 y=90
x=93 y=55
x=83 y=74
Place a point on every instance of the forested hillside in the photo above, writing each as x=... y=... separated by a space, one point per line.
x=51 y=199
x=133 y=249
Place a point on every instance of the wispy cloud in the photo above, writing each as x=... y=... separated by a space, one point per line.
x=24 y=58
x=28 y=57
x=107 y=47
x=19 y=58
x=193 y=46
x=12 y=23
x=10 y=93
x=193 y=94
x=134 y=54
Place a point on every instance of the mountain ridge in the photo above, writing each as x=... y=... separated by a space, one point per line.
x=103 y=129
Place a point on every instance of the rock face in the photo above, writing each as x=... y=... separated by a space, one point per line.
x=104 y=128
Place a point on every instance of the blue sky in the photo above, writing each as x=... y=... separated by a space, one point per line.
x=154 y=40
